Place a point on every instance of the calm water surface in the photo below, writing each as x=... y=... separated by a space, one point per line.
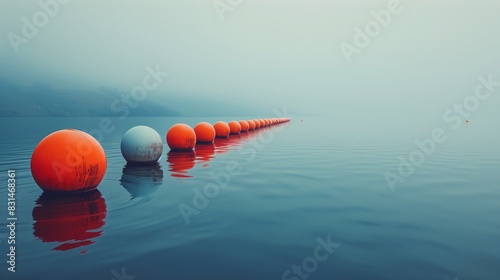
x=296 y=183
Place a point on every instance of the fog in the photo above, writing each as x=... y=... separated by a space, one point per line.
x=266 y=54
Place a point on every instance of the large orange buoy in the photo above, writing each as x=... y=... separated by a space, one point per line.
x=234 y=127
x=222 y=129
x=244 y=126
x=181 y=137
x=68 y=161
x=205 y=133
x=251 y=125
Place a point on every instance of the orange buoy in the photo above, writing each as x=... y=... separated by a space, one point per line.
x=262 y=123
x=234 y=127
x=244 y=126
x=205 y=133
x=251 y=125
x=68 y=160
x=222 y=129
x=268 y=123
x=181 y=137
x=257 y=124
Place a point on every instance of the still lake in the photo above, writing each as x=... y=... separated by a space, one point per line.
x=298 y=186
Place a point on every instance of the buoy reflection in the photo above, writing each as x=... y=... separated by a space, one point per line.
x=75 y=220
x=141 y=180
x=204 y=153
x=180 y=162
x=228 y=137
x=223 y=146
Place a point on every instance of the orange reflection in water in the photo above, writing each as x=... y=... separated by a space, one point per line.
x=223 y=145
x=204 y=153
x=71 y=219
x=180 y=162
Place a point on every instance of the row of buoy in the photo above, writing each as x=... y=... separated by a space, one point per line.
x=181 y=137
x=71 y=160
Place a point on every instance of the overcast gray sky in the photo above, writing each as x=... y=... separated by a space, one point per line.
x=266 y=52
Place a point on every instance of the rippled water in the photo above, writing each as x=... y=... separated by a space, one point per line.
x=293 y=184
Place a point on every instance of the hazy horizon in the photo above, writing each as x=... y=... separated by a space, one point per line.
x=266 y=54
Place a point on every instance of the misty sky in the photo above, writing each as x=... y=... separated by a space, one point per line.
x=267 y=52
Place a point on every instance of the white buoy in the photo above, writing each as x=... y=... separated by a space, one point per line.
x=142 y=144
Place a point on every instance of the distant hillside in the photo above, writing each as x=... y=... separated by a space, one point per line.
x=40 y=100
